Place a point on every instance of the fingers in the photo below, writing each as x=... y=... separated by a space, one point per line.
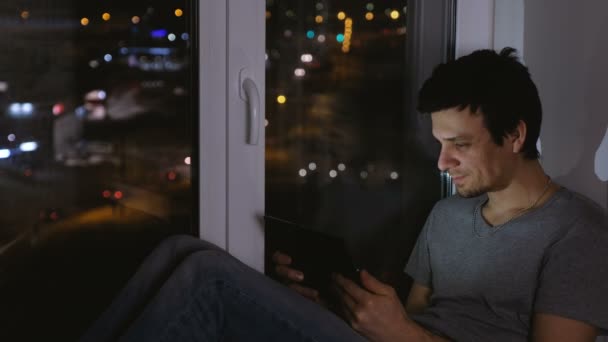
x=374 y=285
x=307 y=292
x=350 y=288
x=282 y=269
x=289 y=274
x=281 y=258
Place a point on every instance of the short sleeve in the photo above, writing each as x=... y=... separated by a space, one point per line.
x=573 y=281
x=419 y=264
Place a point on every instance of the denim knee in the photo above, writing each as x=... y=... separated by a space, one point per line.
x=181 y=241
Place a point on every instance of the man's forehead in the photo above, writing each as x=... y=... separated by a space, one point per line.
x=453 y=123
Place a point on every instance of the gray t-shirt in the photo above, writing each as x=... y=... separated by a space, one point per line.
x=488 y=283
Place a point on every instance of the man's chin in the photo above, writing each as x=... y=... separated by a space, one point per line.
x=469 y=193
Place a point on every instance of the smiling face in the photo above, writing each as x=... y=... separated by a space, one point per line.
x=468 y=153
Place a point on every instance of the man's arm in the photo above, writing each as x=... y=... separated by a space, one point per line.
x=418 y=299
x=552 y=328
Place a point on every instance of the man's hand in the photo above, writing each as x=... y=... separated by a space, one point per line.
x=376 y=312
x=292 y=277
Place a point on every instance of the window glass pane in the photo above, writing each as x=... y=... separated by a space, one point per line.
x=97 y=121
x=341 y=152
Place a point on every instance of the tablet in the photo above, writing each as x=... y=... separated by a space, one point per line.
x=316 y=254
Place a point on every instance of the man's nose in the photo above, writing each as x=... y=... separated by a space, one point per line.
x=446 y=160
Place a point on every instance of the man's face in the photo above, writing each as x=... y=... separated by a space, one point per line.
x=468 y=153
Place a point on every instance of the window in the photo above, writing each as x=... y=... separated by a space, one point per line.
x=345 y=151
x=97 y=160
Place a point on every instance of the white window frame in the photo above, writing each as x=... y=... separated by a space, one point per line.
x=231 y=194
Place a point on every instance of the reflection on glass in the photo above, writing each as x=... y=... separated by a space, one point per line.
x=340 y=153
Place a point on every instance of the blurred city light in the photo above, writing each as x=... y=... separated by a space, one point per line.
x=302 y=173
x=135 y=20
x=394 y=175
x=118 y=195
x=341 y=167
x=348 y=30
x=287 y=33
x=84 y=21
x=321 y=38
x=290 y=14
x=25 y=15
x=312 y=166
x=333 y=173
x=319 y=19
x=11 y=137
x=28 y=146
x=106 y=16
x=306 y=58
x=281 y=99
x=266 y=123
x=363 y=174
x=171 y=175
x=159 y=33
x=58 y=108
x=187 y=161
x=340 y=37
x=310 y=34
x=94 y=64
x=107 y=57
x=341 y=15
x=171 y=37
x=185 y=36
x=299 y=72
x=395 y=14
x=27 y=108
x=319 y=6
x=268 y=15
x=21 y=109
x=106 y=194
x=369 y=16
x=5 y=153
x=178 y=12
x=369 y=6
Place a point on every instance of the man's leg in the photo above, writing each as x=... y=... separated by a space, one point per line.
x=143 y=286
x=211 y=296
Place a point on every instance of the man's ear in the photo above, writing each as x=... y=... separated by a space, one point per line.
x=518 y=136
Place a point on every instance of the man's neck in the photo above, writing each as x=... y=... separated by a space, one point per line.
x=528 y=187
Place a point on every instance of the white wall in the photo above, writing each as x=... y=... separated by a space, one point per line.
x=474 y=26
x=565 y=47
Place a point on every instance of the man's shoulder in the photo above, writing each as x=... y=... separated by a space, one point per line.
x=579 y=210
x=574 y=203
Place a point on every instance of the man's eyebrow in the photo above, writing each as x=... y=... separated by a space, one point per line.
x=456 y=138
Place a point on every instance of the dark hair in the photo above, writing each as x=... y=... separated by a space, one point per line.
x=497 y=84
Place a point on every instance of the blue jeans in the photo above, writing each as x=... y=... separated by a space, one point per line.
x=190 y=290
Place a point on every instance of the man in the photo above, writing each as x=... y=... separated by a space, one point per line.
x=512 y=257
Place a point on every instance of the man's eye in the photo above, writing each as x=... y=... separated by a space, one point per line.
x=461 y=145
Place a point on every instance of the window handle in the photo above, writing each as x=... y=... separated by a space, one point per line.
x=249 y=93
